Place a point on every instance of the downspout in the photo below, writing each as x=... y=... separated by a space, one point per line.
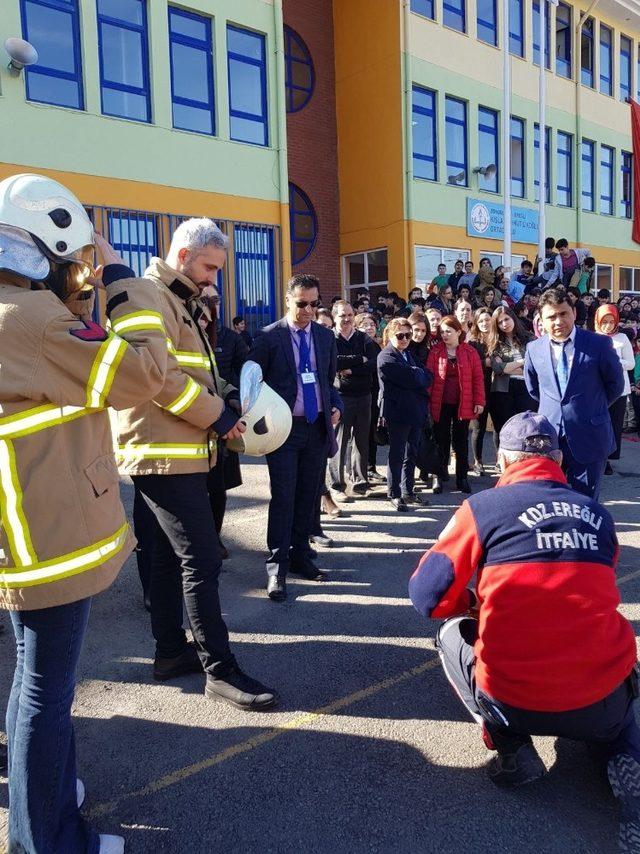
x=578 y=158
x=283 y=172
x=408 y=137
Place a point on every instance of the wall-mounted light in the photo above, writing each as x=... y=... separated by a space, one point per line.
x=21 y=54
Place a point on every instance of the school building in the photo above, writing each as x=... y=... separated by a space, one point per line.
x=358 y=140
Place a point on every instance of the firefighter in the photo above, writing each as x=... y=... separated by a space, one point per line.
x=64 y=535
x=547 y=652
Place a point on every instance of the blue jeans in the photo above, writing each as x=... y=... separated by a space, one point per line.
x=43 y=813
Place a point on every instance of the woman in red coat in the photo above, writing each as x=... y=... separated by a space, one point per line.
x=457 y=396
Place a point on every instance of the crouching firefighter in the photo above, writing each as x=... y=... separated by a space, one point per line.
x=64 y=535
x=544 y=650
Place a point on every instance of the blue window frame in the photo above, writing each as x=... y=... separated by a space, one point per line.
x=588 y=175
x=536 y=162
x=124 y=59
x=586 y=53
x=606 y=60
x=536 y=33
x=487 y=21
x=606 y=180
x=564 y=168
x=625 y=68
x=255 y=275
x=517 y=158
x=247 y=67
x=53 y=28
x=303 y=224
x=454 y=14
x=626 y=184
x=424 y=8
x=191 y=55
x=299 y=72
x=516 y=27
x=488 y=148
x=424 y=123
x=456 y=141
x=563 y=40
x=134 y=234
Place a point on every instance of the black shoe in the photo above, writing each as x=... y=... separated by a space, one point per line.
x=399 y=504
x=224 y=551
x=478 y=470
x=608 y=469
x=169 y=668
x=445 y=477
x=437 y=485
x=374 y=475
x=241 y=691
x=276 y=588
x=413 y=498
x=360 y=489
x=321 y=540
x=510 y=770
x=307 y=570
x=463 y=485
x=624 y=775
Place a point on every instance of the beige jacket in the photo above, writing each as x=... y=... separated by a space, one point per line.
x=174 y=432
x=64 y=535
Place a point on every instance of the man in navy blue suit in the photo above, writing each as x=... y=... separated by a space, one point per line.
x=575 y=375
x=298 y=360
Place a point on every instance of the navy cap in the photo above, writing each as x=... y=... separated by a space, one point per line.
x=530 y=433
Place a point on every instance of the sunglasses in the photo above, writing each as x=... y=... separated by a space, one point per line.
x=404 y=336
x=301 y=303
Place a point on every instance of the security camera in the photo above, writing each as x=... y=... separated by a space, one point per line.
x=21 y=54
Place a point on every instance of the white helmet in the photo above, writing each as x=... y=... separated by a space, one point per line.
x=267 y=416
x=48 y=211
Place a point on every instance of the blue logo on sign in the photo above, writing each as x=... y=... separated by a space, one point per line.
x=486 y=219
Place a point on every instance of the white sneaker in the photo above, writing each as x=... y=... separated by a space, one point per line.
x=80 y=792
x=111 y=844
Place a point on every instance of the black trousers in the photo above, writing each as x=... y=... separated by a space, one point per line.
x=145 y=528
x=478 y=426
x=504 y=404
x=296 y=470
x=186 y=564
x=352 y=434
x=616 y=413
x=373 y=445
x=450 y=430
x=609 y=723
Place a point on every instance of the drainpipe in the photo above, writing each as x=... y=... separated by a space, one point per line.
x=408 y=137
x=577 y=53
x=283 y=171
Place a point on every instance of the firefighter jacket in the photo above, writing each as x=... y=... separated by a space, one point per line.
x=64 y=535
x=176 y=432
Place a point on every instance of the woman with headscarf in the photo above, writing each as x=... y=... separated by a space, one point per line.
x=607 y=321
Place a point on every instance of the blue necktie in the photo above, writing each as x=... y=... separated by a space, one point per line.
x=308 y=389
x=562 y=369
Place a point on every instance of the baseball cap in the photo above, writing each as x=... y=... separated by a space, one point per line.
x=530 y=433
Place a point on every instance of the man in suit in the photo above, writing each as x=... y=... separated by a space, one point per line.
x=575 y=376
x=298 y=360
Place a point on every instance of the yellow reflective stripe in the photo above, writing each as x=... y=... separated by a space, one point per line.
x=65 y=565
x=159 y=451
x=13 y=518
x=103 y=371
x=138 y=320
x=185 y=399
x=188 y=358
x=39 y=418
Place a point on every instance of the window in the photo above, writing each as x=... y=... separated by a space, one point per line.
x=124 y=59
x=424 y=8
x=299 y=73
x=247 y=86
x=497 y=259
x=369 y=269
x=52 y=28
x=428 y=258
x=536 y=33
x=536 y=161
x=303 y=223
x=629 y=279
x=516 y=28
x=456 y=139
x=517 y=158
x=588 y=175
x=255 y=275
x=135 y=236
x=191 y=53
x=625 y=68
x=604 y=277
x=487 y=21
x=626 y=184
x=606 y=180
x=563 y=40
x=425 y=157
x=606 y=60
x=454 y=14
x=564 y=166
x=488 y=148
x=586 y=53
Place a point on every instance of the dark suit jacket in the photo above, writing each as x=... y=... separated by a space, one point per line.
x=595 y=382
x=403 y=388
x=273 y=351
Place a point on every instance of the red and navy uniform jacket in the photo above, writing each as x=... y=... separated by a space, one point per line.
x=550 y=637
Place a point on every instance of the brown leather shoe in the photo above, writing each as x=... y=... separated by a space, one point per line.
x=329 y=507
x=168 y=668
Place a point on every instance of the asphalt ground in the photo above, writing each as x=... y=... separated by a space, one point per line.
x=369 y=751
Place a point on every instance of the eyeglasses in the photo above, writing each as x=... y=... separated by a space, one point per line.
x=404 y=336
x=302 y=303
